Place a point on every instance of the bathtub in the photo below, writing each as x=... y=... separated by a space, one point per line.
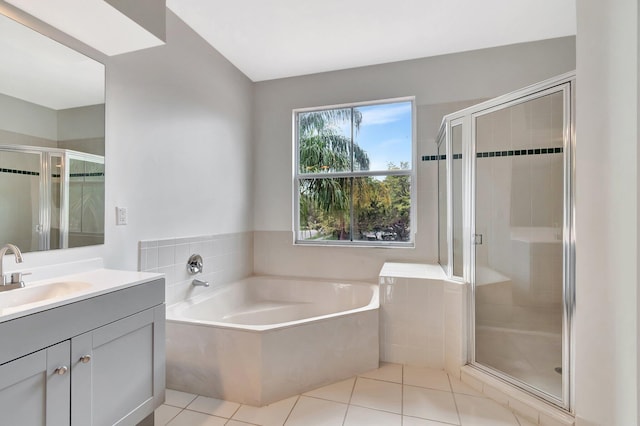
x=263 y=339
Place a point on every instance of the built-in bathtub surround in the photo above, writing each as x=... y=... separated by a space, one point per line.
x=263 y=339
x=422 y=320
x=227 y=258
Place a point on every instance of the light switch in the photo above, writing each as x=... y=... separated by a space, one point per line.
x=121 y=215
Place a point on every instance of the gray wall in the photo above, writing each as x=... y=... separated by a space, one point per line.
x=26 y=118
x=441 y=85
x=607 y=229
x=82 y=129
x=179 y=150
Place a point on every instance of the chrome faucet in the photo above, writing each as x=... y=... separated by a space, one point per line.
x=197 y=283
x=15 y=279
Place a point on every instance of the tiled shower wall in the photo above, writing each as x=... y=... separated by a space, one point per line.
x=226 y=258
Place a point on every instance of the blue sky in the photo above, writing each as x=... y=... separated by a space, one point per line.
x=385 y=134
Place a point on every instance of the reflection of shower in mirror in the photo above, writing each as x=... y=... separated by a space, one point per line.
x=51 y=198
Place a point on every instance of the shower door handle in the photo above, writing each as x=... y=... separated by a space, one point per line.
x=477 y=239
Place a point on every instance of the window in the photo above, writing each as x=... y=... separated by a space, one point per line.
x=353 y=177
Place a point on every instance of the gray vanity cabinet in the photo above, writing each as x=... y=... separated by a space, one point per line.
x=113 y=371
x=102 y=361
x=31 y=390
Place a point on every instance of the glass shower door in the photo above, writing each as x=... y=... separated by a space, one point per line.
x=518 y=240
x=85 y=200
x=21 y=213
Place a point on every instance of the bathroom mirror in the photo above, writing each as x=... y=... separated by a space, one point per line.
x=52 y=103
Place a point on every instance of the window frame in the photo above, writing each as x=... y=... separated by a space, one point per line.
x=412 y=173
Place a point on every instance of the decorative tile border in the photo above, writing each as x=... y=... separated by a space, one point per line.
x=440 y=157
x=85 y=174
x=510 y=153
x=19 y=172
x=537 y=151
x=57 y=175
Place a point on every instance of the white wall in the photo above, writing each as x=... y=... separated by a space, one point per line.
x=447 y=79
x=27 y=119
x=607 y=213
x=178 y=152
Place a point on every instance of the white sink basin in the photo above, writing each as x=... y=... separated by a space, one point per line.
x=40 y=293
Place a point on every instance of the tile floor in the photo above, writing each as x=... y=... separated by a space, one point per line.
x=393 y=395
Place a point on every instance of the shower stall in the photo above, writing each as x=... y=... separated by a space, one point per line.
x=50 y=198
x=506 y=212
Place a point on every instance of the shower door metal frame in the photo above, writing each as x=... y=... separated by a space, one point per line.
x=446 y=130
x=466 y=117
x=443 y=140
x=565 y=84
x=41 y=228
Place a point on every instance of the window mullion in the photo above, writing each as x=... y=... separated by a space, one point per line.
x=351 y=218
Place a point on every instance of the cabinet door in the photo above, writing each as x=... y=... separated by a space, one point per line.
x=31 y=390
x=115 y=378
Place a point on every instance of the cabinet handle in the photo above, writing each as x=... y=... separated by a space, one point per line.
x=85 y=359
x=61 y=371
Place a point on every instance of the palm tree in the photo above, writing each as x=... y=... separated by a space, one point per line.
x=323 y=149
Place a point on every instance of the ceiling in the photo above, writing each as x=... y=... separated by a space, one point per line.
x=283 y=38
x=269 y=39
x=42 y=71
x=94 y=22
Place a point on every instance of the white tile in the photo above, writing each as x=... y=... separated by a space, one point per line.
x=493 y=393
x=471 y=381
x=178 y=398
x=360 y=416
x=379 y=395
x=192 y=418
x=415 y=421
x=164 y=414
x=237 y=423
x=166 y=242
x=181 y=254
x=524 y=421
x=151 y=258
x=148 y=243
x=213 y=406
x=460 y=387
x=388 y=372
x=317 y=412
x=547 y=420
x=339 y=392
x=426 y=378
x=166 y=256
x=429 y=404
x=195 y=247
x=476 y=411
x=272 y=414
x=523 y=409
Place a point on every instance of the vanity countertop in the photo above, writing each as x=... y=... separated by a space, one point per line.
x=90 y=284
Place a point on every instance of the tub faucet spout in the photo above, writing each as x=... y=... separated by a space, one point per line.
x=197 y=283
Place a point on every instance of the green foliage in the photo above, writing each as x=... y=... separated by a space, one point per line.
x=381 y=207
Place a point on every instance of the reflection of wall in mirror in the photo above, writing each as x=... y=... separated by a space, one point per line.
x=24 y=123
